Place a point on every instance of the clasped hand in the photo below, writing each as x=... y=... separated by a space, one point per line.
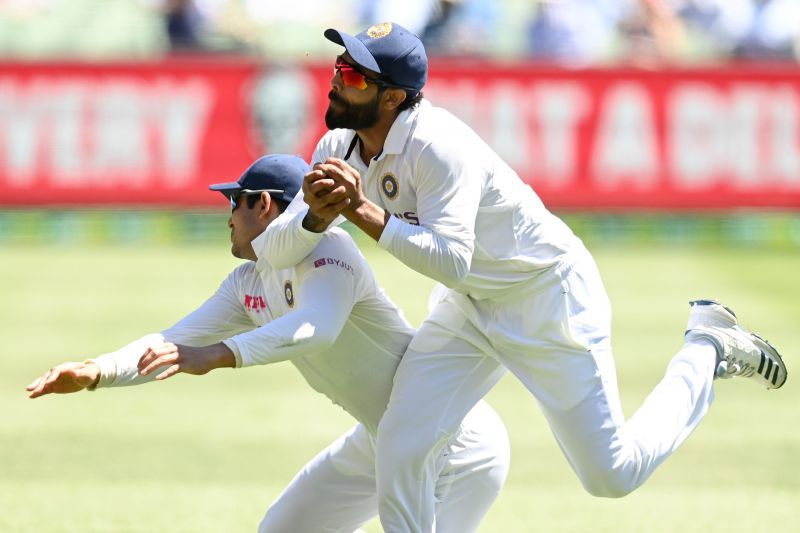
x=331 y=189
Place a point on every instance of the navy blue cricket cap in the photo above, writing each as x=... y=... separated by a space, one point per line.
x=279 y=174
x=388 y=49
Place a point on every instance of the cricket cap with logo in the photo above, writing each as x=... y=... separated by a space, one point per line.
x=279 y=174
x=388 y=49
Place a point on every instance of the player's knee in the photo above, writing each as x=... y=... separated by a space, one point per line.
x=400 y=460
x=608 y=485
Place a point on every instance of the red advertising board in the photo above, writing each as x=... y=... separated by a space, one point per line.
x=159 y=133
x=146 y=133
x=638 y=139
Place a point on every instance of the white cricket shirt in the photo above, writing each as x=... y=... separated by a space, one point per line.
x=327 y=315
x=460 y=214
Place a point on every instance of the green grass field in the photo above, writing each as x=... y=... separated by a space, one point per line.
x=208 y=454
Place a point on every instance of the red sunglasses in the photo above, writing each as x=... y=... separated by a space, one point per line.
x=351 y=77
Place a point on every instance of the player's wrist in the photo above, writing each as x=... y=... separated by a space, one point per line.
x=314 y=223
x=357 y=208
x=91 y=375
x=223 y=356
x=368 y=216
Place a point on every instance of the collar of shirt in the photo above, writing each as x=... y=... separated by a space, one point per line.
x=262 y=264
x=400 y=130
x=398 y=133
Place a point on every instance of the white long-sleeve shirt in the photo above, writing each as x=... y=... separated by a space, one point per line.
x=327 y=315
x=460 y=214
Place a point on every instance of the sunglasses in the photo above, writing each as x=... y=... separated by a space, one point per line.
x=352 y=77
x=234 y=198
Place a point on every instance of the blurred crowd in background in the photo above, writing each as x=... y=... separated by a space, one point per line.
x=573 y=33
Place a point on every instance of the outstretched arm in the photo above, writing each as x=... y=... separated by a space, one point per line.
x=219 y=317
x=171 y=358
x=117 y=368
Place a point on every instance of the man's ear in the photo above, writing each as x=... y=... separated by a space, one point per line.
x=265 y=203
x=392 y=98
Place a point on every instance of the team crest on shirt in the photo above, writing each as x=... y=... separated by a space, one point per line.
x=390 y=186
x=380 y=30
x=288 y=293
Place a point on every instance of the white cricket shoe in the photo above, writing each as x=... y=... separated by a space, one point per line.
x=739 y=352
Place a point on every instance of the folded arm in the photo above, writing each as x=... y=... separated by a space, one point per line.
x=322 y=307
x=448 y=193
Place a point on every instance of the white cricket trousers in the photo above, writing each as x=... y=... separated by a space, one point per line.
x=554 y=336
x=336 y=490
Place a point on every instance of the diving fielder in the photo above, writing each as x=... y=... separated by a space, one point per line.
x=523 y=293
x=328 y=316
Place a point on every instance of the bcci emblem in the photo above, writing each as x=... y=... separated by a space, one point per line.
x=380 y=30
x=288 y=293
x=390 y=186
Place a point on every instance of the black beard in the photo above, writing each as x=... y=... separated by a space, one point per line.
x=351 y=116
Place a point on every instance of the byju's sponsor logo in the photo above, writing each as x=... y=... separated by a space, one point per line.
x=330 y=261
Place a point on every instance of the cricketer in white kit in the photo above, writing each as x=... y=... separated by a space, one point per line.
x=328 y=316
x=519 y=292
